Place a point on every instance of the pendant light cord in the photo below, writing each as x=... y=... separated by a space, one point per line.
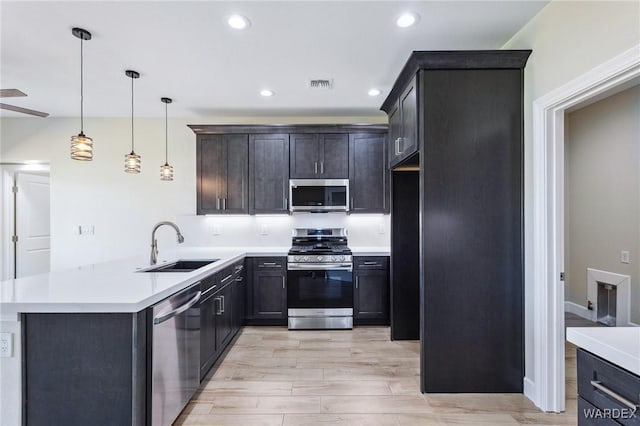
x=132 y=150
x=166 y=134
x=81 y=88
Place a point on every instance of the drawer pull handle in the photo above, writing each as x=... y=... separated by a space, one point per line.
x=621 y=399
x=271 y=264
x=371 y=263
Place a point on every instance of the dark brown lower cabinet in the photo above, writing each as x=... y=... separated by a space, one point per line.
x=267 y=290
x=371 y=291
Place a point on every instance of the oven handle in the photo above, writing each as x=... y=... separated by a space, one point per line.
x=320 y=267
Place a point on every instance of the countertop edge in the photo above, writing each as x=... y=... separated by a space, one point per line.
x=580 y=337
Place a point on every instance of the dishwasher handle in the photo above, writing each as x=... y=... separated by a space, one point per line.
x=168 y=315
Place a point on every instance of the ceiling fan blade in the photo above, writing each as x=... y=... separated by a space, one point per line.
x=11 y=93
x=23 y=110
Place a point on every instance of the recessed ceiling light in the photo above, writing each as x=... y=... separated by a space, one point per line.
x=266 y=93
x=238 y=22
x=407 y=19
x=374 y=92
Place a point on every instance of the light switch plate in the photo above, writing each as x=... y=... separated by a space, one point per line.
x=625 y=256
x=6 y=345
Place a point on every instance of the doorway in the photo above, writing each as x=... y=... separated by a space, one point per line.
x=546 y=388
x=26 y=220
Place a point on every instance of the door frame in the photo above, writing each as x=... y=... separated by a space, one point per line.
x=547 y=387
x=8 y=173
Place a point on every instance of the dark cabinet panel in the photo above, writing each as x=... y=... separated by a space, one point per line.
x=268 y=173
x=304 y=156
x=371 y=291
x=208 y=347
x=224 y=314
x=222 y=174
x=84 y=369
x=403 y=125
x=472 y=189
x=239 y=295
x=269 y=294
x=334 y=163
x=319 y=156
x=368 y=174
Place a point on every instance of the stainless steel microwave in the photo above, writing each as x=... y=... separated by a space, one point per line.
x=319 y=195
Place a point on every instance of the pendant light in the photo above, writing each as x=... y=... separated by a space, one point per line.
x=132 y=160
x=166 y=171
x=81 y=144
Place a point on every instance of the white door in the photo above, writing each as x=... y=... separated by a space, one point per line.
x=33 y=248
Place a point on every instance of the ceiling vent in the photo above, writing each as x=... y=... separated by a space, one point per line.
x=321 y=83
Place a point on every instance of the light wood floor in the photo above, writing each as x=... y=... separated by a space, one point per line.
x=273 y=376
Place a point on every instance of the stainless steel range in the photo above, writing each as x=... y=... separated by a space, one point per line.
x=320 y=279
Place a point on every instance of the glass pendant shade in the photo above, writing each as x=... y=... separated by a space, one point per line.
x=132 y=163
x=81 y=147
x=132 y=160
x=166 y=172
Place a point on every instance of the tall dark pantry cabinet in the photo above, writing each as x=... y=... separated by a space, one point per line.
x=459 y=132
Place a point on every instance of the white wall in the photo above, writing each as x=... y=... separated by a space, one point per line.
x=123 y=208
x=602 y=193
x=567 y=39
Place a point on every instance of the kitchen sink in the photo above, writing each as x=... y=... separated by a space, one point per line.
x=182 y=266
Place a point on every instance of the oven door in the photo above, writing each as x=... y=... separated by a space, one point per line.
x=319 y=286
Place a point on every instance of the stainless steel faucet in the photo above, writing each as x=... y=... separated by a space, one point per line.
x=154 y=242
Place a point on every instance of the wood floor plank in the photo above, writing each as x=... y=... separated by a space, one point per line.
x=340 y=420
x=272 y=376
x=341 y=387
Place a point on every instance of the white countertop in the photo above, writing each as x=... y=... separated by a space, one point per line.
x=618 y=345
x=117 y=286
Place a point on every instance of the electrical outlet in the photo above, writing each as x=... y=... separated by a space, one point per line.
x=624 y=256
x=264 y=230
x=6 y=345
x=86 y=230
x=215 y=229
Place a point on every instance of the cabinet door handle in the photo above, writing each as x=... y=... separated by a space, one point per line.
x=222 y=310
x=357 y=280
x=239 y=279
x=283 y=282
x=224 y=203
x=315 y=167
x=398 y=152
x=621 y=399
x=217 y=203
x=284 y=203
x=322 y=167
x=217 y=305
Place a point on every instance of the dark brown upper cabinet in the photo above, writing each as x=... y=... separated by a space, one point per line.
x=403 y=125
x=222 y=174
x=368 y=173
x=268 y=173
x=319 y=156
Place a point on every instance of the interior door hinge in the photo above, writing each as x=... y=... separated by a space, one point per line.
x=14 y=189
x=14 y=238
x=561 y=276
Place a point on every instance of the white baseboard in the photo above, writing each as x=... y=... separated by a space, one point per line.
x=576 y=309
x=529 y=390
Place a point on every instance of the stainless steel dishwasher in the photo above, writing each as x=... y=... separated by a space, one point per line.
x=175 y=354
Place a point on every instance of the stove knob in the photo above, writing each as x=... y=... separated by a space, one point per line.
x=319 y=258
x=306 y=258
x=297 y=258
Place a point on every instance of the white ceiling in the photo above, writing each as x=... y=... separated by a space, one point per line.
x=186 y=51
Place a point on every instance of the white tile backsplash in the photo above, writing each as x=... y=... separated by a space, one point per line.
x=370 y=230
